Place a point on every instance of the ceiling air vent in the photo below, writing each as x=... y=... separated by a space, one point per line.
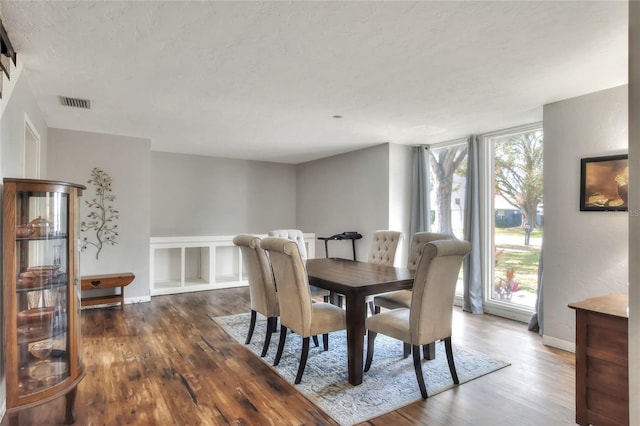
x=75 y=102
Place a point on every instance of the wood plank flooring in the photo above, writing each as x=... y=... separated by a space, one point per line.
x=167 y=363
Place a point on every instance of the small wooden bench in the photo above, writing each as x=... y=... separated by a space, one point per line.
x=96 y=282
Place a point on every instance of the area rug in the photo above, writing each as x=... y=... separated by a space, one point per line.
x=388 y=385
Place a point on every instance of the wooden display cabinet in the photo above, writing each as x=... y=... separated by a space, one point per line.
x=41 y=294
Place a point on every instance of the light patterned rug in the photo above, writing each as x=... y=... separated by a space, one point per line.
x=388 y=385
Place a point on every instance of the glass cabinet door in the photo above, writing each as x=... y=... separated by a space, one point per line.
x=43 y=290
x=40 y=294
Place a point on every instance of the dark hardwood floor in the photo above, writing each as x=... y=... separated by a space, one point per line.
x=166 y=362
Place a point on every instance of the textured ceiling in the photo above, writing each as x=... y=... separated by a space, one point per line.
x=263 y=80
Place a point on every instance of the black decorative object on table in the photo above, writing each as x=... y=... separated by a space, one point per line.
x=347 y=235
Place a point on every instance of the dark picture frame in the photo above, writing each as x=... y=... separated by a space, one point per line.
x=603 y=183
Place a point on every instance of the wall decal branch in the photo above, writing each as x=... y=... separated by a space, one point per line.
x=101 y=218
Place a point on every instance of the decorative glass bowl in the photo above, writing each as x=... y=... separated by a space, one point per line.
x=24 y=231
x=41 y=227
x=42 y=350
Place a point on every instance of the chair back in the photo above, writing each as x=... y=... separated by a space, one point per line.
x=384 y=247
x=293 y=235
x=262 y=289
x=418 y=241
x=434 y=288
x=290 y=274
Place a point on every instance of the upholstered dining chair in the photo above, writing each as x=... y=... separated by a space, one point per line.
x=402 y=298
x=297 y=312
x=384 y=247
x=295 y=235
x=430 y=315
x=262 y=289
x=298 y=236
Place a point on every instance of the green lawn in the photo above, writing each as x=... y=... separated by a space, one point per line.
x=512 y=253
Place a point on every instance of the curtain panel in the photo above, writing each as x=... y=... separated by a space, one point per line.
x=420 y=193
x=535 y=323
x=472 y=294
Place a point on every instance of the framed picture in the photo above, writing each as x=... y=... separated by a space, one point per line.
x=603 y=183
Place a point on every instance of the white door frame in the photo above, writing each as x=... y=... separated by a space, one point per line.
x=30 y=154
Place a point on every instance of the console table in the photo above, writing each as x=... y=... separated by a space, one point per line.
x=97 y=282
x=602 y=368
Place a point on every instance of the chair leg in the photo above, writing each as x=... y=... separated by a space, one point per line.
x=303 y=360
x=274 y=324
x=283 y=338
x=417 y=365
x=315 y=341
x=252 y=325
x=406 y=350
x=325 y=341
x=452 y=366
x=371 y=337
x=271 y=323
x=372 y=309
x=429 y=350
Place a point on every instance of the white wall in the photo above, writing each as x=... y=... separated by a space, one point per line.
x=18 y=103
x=72 y=156
x=585 y=253
x=634 y=216
x=400 y=181
x=17 y=99
x=196 y=195
x=347 y=192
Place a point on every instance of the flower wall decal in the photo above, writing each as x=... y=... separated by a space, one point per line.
x=101 y=218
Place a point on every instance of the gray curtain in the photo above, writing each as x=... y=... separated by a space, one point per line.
x=420 y=192
x=472 y=296
x=535 y=323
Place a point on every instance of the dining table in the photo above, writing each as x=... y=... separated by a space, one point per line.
x=356 y=280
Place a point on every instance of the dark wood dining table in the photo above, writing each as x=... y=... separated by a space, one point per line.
x=356 y=280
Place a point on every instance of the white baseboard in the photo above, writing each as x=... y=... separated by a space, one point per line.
x=127 y=301
x=554 y=342
x=140 y=299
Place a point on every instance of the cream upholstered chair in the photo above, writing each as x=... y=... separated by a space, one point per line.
x=384 y=247
x=383 y=252
x=262 y=289
x=429 y=318
x=297 y=312
x=298 y=236
x=402 y=298
x=293 y=235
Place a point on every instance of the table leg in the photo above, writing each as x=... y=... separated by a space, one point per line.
x=333 y=298
x=356 y=315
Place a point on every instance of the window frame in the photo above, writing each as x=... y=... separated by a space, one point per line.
x=487 y=168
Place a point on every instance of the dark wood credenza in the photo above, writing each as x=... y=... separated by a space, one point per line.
x=602 y=368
